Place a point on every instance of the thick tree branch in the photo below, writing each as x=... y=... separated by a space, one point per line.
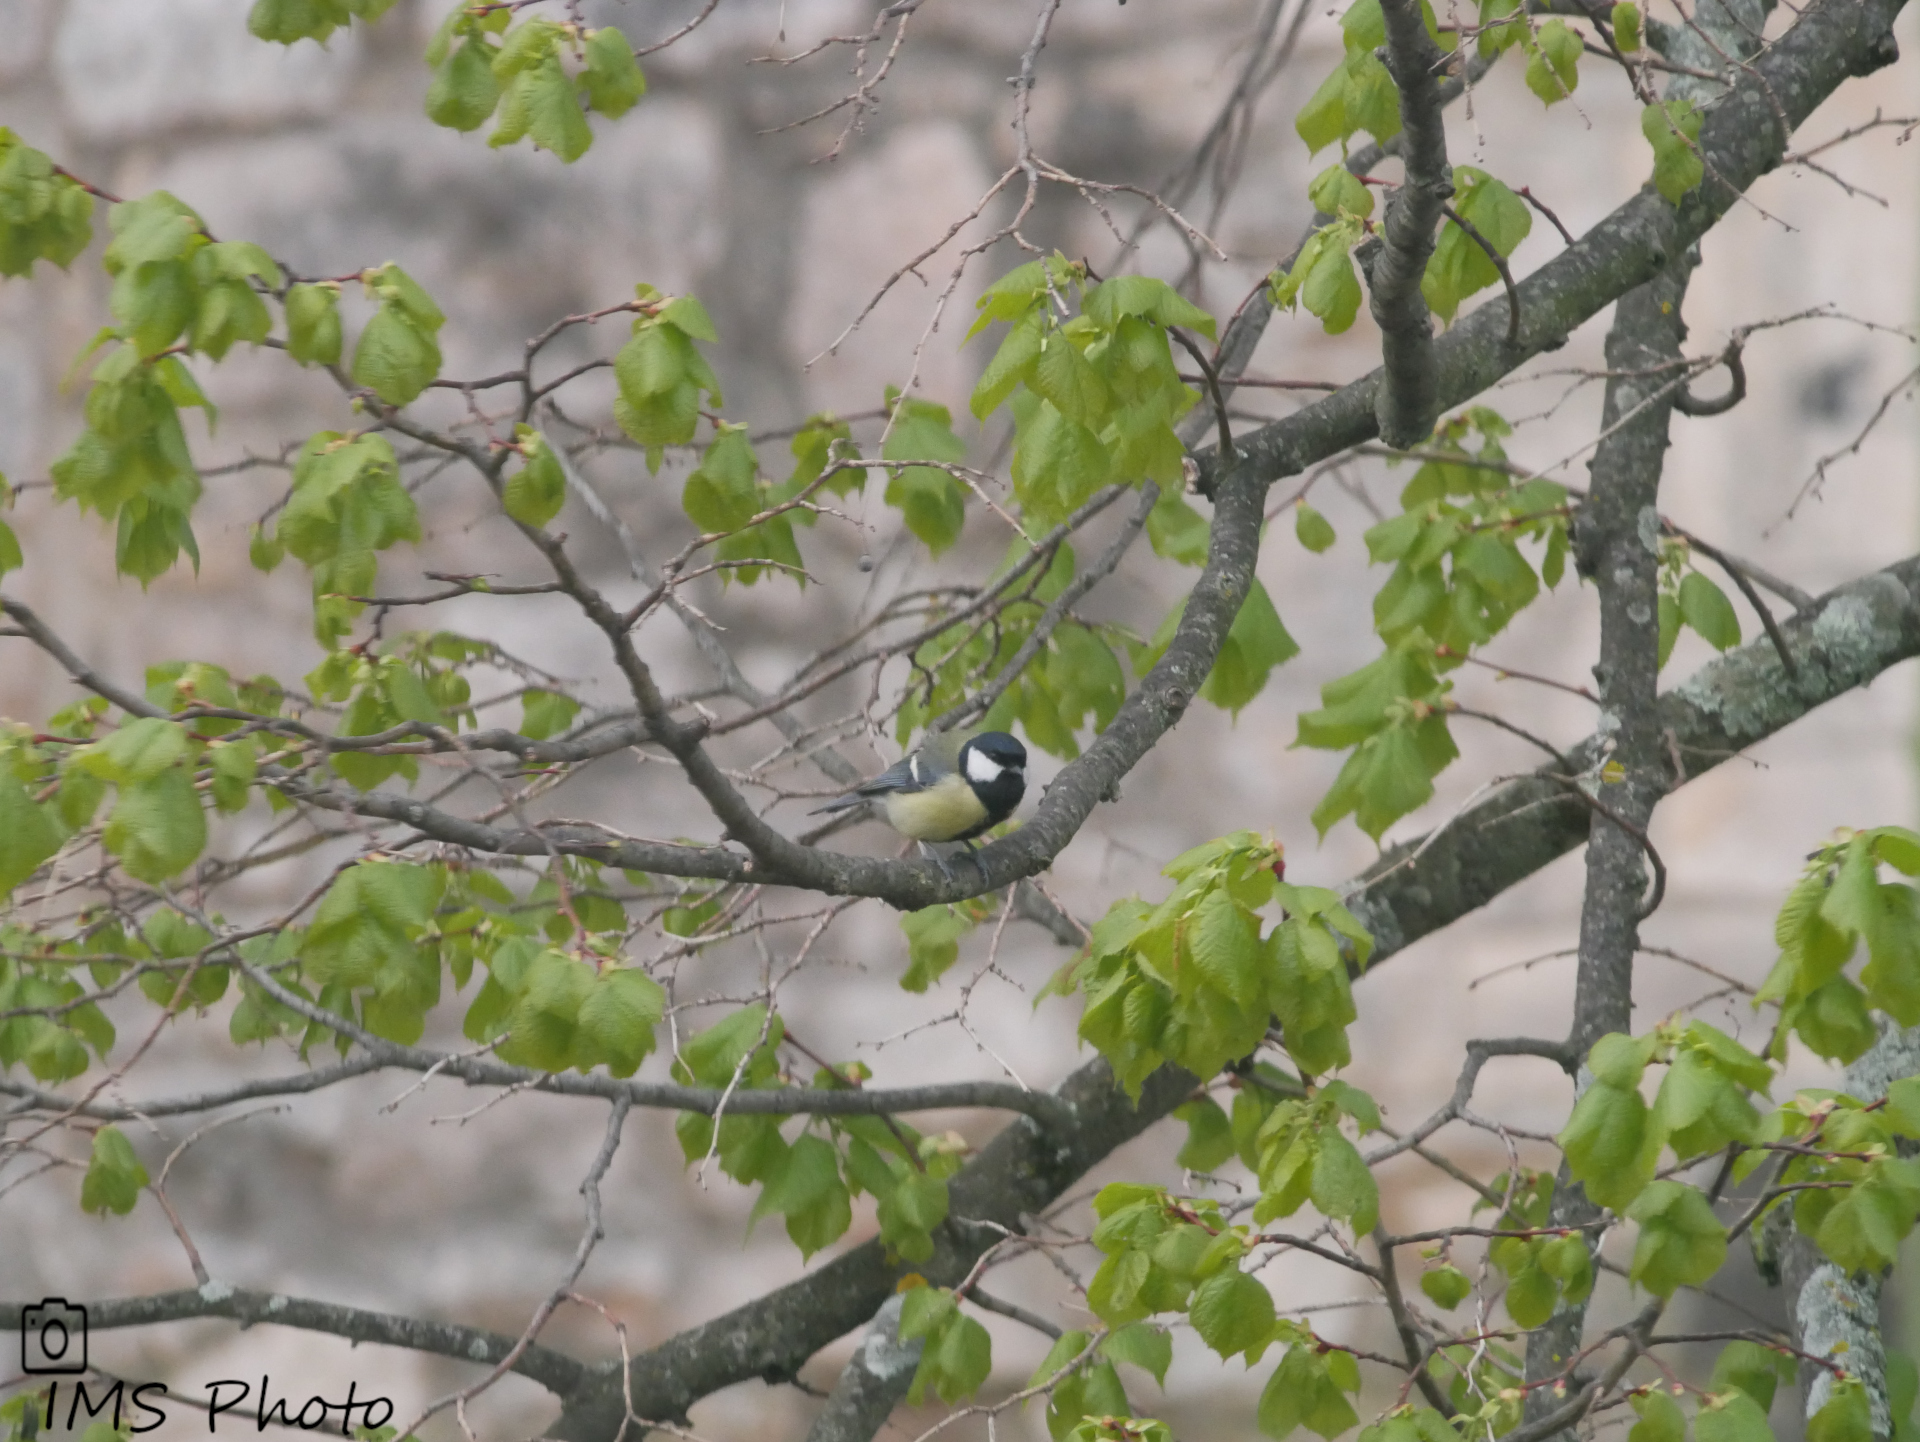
x=1844 y=640
x=553 y=1370
x=1616 y=545
x=1406 y=400
x=1848 y=637
x=1020 y=1172
x=872 y=1383
x=1835 y=1316
x=1739 y=141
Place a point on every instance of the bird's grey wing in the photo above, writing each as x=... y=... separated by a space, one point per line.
x=897 y=777
x=901 y=776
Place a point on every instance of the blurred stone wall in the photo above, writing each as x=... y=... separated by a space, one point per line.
x=322 y=156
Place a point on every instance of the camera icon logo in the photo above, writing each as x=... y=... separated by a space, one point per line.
x=53 y=1338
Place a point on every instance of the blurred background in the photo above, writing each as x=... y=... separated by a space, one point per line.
x=323 y=156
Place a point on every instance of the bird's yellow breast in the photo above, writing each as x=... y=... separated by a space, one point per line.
x=940 y=813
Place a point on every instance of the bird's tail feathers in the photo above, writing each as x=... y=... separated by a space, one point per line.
x=839 y=803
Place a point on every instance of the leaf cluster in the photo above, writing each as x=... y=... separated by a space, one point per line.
x=1094 y=395
x=1459 y=577
x=1192 y=981
x=482 y=67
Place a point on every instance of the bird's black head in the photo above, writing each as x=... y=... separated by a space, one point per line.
x=995 y=766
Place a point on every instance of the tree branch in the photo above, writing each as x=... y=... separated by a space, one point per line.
x=1406 y=401
x=553 y=1370
x=1848 y=637
x=1616 y=545
x=872 y=1383
x=1739 y=141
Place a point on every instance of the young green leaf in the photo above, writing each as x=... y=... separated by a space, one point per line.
x=313 y=324
x=1704 y=607
x=534 y=494
x=612 y=79
x=1553 y=63
x=1681 y=1242
x=1672 y=128
x=114 y=1175
x=464 y=91
x=1312 y=529
x=1626 y=27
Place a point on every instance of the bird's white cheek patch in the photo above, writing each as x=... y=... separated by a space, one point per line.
x=982 y=768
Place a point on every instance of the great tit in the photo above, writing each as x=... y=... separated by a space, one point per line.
x=948 y=789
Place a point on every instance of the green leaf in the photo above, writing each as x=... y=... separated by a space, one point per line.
x=1606 y=1144
x=1337 y=191
x=157 y=827
x=687 y=314
x=114 y=1175
x=1057 y=463
x=1846 y=1416
x=1446 y=1286
x=396 y=358
x=545 y=713
x=1063 y=376
x=1305 y=1390
x=535 y=493
x=1863 y=1229
x=1553 y=68
x=1754 y=1369
x=1359 y=95
x=1255 y=644
x=805 y=1178
x=1531 y=1295
x=617 y=1018
x=313 y=324
x=955 y=1362
x=1342 y=1186
x=933 y=943
x=1626 y=27
x=1681 y=1242
x=1312 y=529
x=1232 y=1312
x=1331 y=289
x=1704 y=607
x=1149 y=1348
x=28 y=835
x=933 y=502
x=1661 y=1419
x=1669 y=628
x=1458 y=267
x=542 y=104
x=1209 y=1145
x=464 y=91
x=1225 y=944
x=1731 y=1417
x=1012 y=364
x=612 y=79
x=1672 y=128
x=1148 y=297
x=42 y=215
x=287 y=21
x=1834 y=1021
x=545 y=1022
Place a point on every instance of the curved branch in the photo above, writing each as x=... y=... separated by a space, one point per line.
x=1406 y=402
x=555 y=1371
x=1021 y=1171
x=1844 y=640
x=1103 y=566
x=1739 y=141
